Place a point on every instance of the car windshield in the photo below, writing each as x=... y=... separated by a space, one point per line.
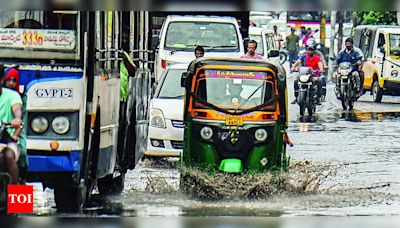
x=394 y=42
x=171 y=86
x=232 y=89
x=39 y=34
x=260 y=20
x=260 y=46
x=213 y=36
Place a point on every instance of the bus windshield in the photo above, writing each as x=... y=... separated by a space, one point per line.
x=39 y=34
x=211 y=35
x=232 y=89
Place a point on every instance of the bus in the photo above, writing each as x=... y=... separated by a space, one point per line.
x=79 y=132
x=312 y=20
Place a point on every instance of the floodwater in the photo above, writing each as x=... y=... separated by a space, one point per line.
x=342 y=164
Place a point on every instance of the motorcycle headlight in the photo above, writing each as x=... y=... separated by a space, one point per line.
x=261 y=135
x=345 y=71
x=60 y=125
x=157 y=118
x=394 y=73
x=206 y=133
x=304 y=78
x=39 y=124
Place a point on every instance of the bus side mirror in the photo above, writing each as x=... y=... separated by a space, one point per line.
x=273 y=53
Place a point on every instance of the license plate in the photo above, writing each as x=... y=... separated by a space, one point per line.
x=234 y=120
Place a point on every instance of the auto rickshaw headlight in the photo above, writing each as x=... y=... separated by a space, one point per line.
x=39 y=124
x=206 y=133
x=157 y=118
x=394 y=73
x=261 y=135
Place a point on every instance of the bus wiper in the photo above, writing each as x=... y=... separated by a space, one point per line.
x=247 y=99
x=224 y=46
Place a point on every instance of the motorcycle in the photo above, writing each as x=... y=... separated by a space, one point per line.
x=5 y=177
x=347 y=85
x=308 y=98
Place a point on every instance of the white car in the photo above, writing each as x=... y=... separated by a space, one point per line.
x=265 y=41
x=165 y=137
x=179 y=36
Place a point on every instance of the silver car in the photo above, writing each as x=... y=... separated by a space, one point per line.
x=165 y=136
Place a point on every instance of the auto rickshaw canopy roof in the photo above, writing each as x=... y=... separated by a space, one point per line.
x=235 y=62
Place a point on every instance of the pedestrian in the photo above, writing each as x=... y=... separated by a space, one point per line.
x=303 y=32
x=199 y=52
x=277 y=37
x=292 y=45
x=12 y=81
x=251 y=51
x=10 y=112
x=308 y=35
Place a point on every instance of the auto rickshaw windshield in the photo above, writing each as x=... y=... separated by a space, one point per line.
x=235 y=89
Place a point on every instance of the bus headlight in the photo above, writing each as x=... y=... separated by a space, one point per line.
x=157 y=118
x=60 y=125
x=261 y=135
x=394 y=73
x=39 y=124
x=206 y=133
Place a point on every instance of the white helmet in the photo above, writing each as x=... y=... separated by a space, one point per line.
x=311 y=41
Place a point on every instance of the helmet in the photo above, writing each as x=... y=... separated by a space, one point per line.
x=311 y=47
x=311 y=41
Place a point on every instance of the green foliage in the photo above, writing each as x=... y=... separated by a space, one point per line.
x=375 y=17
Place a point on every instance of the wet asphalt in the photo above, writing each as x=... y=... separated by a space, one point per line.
x=355 y=157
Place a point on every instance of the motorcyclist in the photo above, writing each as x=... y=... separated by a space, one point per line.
x=349 y=54
x=10 y=112
x=312 y=41
x=310 y=59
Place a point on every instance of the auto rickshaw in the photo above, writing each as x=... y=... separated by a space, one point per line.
x=235 y=115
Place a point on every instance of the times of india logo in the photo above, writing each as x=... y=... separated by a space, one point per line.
x=20 y=199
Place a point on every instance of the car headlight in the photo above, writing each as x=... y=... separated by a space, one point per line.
x=60 y=125
x=206 y=133
x=261 y=135
x=39 y=124
x=394 y=73
x=157 y=118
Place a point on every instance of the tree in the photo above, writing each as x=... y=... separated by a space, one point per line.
x=375 y=17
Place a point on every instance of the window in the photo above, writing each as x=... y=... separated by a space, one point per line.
x=239 y=89
x=381 y=43
x=39 y=34
x=213 y=36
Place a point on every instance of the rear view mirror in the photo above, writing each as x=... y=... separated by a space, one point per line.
x=183 y=79
x=332 y=58
x=155 y=41
x=273 y=53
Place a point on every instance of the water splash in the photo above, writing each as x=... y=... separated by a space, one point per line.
x=304 y=177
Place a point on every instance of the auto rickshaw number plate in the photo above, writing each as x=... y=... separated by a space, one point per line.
x=234 y=120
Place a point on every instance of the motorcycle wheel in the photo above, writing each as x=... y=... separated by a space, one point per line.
x=351 y=105
x=302 y=109
x=344 y=103
x=311 y=111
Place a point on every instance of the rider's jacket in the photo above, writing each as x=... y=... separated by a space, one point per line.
x=311 y=61
x=351 y=56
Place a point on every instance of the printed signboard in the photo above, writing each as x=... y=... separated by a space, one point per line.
x=45 y=39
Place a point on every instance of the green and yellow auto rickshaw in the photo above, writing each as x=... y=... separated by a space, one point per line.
x=235 y=115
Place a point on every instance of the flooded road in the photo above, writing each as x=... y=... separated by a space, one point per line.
x=349 y=163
